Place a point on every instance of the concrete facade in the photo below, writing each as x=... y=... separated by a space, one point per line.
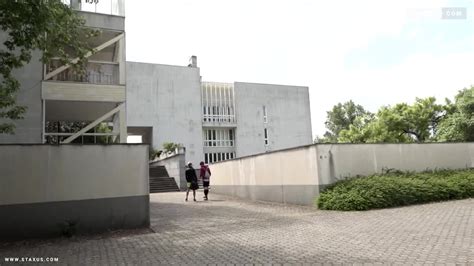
x=215 y=121
x=97 y=187
x=166 y=98
x=53 y=93
x=29 y=129
x=288 y=117
x=298 y=175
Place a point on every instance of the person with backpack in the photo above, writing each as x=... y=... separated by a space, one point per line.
x=191 y=180
x=205 y=175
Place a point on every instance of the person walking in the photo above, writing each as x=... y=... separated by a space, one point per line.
x=191 y=180
x=205 y=175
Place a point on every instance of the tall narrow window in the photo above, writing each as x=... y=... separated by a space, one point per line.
x=231 y=137
x=264 y=114
x=265 y=133
x=214 y=139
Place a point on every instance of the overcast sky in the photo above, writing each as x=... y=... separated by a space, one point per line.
x=373 y=52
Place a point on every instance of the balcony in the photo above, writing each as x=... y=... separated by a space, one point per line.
x=100 y=73
x=100 y=82
x=108 y=7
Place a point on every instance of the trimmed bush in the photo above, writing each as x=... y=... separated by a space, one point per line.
x=397 y=189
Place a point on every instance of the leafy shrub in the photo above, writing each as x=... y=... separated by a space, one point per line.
x=397 y=188
x=170 y=146
x=154 y=153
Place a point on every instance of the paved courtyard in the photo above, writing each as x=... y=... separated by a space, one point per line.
x=231 y=231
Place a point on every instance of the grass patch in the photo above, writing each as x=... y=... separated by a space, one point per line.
x=397 y=189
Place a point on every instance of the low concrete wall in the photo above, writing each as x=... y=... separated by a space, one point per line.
x=297 y=175
x=337 y=161
x=92 y=188
x=289 y=176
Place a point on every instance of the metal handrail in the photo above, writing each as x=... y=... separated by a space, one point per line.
x=108 y=7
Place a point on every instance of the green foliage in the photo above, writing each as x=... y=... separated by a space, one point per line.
x=103 y=128
x=49 y=26
x=341 y=117
x=154 y=153
x=170 y=146
x=459 y=123
x=401 y=123
x=394 y=189
x=72 y=127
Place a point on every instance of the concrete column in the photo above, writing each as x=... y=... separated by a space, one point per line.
x=121 y=60
x=43 y=119
x=123 y=124
x=120 y=125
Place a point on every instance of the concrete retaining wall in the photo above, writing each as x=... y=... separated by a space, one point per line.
x=289 y=176
x=92 y=188
x=337 y=161
x=297 y=175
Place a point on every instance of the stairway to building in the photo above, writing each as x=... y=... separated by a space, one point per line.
x=160 y=181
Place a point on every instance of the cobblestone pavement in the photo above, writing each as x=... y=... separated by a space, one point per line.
x=231 y=231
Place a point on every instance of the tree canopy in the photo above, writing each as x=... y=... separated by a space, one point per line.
x=459 y=122
x=341 y=117
x=422 y=121
x=48 y=26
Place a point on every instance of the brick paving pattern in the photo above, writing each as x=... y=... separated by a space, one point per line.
x=231 y=231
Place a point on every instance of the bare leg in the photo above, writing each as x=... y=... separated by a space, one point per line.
x=187 y=193
x=206 y=191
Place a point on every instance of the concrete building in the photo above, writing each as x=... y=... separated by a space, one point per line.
x=55 y=95
x=214 y=121
x=54 y=190
x=161 y=103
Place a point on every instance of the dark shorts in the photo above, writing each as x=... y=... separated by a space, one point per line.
x=205 y=184
x=193 y=185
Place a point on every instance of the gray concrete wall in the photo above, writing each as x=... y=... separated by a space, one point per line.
x=288 y=176
x=288 y=117
x=29 y=129
x=96 y=187
x=297 y=175
x=167 y=98
x=337 y=161
x=103 y=21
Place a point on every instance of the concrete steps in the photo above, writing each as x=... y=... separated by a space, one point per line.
x=160 y=180
x=163 y=184
x=159 y=171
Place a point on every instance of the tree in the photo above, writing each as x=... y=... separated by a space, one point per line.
x=399 y=123
x=418 y=121
x=74 y=126
x=341 y=117
x=49 y=26
x=458 y=125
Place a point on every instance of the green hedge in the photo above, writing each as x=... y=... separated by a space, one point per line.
x=397 y=189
